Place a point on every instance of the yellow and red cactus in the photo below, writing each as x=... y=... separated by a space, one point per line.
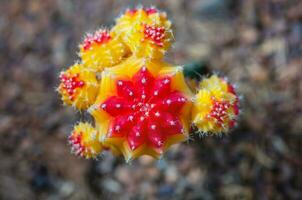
x=146 y=31
x=78 y=86
x=216 y=106
x=102 y=49
x=84 y=141
x=140 y=104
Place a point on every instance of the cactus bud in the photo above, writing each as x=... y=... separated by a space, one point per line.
x=78 y=87
x=102 y=49
x=215 y=107
x=147 y=32
x=84 y=141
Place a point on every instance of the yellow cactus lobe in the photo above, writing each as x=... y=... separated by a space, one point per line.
x=78 y=87
x=84 y=141
x=149 y=127
x=215 y=107
x=147 y=32
x=102 y=49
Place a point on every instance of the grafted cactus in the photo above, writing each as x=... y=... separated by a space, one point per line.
x=140 y=104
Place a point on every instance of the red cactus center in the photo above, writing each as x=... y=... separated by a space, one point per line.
x=75 y=140
x=219 y=111
x=151 y=11
x=99 y=37
x=156 y=34
x=145 y=110
x=70 y=83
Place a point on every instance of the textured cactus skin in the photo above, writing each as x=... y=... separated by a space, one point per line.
x=84 y=141
x=216 y=106
x=140 y=104
x=78 y=87
x=102 y=49
x=133 y=27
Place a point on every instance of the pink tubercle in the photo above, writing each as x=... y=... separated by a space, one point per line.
x=132 y=11
x=70 y=83
x=151 y=11
x=99 y=37
x=154 y=33
x=232 y=90
x=219 y=111
x=75 y=140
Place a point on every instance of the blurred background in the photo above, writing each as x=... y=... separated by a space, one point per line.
x=256 y=43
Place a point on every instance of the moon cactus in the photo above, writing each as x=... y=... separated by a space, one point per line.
x=140 y=104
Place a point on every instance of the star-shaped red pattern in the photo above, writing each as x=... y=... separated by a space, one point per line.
x=145 y=110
